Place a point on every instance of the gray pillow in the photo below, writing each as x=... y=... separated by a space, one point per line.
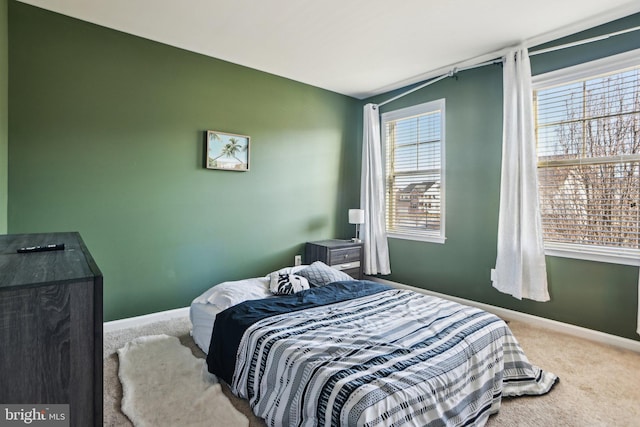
x=320 y=274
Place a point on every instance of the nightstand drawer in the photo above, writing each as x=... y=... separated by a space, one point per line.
x=338 y=256
x=346 y=265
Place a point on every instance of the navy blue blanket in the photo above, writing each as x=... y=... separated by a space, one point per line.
x=231 y=323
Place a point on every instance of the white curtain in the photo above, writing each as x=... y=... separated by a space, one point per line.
x=373 y=232
x=638 y=324
x=520 y=264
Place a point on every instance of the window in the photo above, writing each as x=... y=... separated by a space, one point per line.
x=588 y=139
x=414 y=159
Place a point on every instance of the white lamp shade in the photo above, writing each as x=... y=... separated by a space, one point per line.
x=356 y=216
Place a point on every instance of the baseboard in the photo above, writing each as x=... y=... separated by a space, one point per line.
x=505 y=313
x=541 y=322
x=116 y=325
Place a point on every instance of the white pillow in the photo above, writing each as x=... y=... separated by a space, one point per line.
x=228 y=294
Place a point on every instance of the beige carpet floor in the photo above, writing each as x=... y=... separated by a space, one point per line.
x=599 y=385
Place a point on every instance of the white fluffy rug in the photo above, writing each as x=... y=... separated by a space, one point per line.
x=163 y=384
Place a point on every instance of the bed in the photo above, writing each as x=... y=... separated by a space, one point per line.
x=347 y=352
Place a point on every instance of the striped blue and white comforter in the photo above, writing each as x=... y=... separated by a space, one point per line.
x=392 y=358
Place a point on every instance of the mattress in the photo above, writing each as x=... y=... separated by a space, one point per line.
x=202 y=316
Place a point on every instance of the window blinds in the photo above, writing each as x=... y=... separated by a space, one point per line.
x=413 y=174
x=588 y=136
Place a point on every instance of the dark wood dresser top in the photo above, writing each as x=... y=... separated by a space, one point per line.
x=39 y=268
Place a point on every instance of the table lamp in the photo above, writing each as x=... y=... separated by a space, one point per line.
x=356 y=216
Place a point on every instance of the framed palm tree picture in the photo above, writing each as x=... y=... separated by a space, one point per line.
x=227 y=151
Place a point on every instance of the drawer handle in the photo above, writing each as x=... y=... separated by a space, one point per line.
x=354 y=264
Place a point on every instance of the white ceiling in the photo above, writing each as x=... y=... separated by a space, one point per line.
x=354 y=47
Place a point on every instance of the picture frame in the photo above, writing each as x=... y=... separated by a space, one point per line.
x=227 y=151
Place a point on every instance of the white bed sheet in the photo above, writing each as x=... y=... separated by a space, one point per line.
x=202 y=317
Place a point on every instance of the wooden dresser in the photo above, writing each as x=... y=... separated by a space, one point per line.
x=344 y=255
x=51 y=326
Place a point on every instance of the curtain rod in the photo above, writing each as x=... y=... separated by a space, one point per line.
x=585 y=41
x=455 y=70
x=430 y=82
x=451 y=73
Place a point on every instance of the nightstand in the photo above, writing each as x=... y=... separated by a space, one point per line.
x=343 y=255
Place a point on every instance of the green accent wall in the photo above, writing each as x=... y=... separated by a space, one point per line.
x=4 y=113
x=106 y=135
x=106 y=138
x=594 y=295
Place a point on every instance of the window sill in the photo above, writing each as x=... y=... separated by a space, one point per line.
x=590 y=253
x=429 y=239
